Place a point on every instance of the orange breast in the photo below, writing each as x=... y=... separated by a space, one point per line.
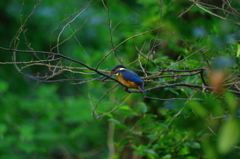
x=127 y=83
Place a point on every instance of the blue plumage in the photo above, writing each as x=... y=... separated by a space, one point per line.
x=117 y=67
x=129 y=78
x=129 y=75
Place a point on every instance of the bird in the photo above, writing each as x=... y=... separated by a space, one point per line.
x=128 y=78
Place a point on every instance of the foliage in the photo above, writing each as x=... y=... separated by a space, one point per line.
x=55 y=103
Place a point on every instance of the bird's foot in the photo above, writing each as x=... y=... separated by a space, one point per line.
x=126 y=89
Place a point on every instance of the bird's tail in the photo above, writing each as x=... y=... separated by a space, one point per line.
x=142 y=89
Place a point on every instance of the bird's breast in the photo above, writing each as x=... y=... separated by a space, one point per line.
x=127 y=82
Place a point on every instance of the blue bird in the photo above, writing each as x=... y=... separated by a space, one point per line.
x=128 y=78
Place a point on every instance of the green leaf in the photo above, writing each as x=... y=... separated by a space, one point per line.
x=173 y=91
x=125 y=107
x=3 y=86
x=238 y=50
x=123 y=142
x=143 y=107
x=228 y=136
x=198 y=109
x=231 y=101
x=27 y=131
x=141 y=121
x=115 y=121
x=28 y=148
x=3 y=128
x=164 y=125
x=76 y=132
x=194 y=145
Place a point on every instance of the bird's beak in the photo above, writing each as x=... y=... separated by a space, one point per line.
x=113 y=73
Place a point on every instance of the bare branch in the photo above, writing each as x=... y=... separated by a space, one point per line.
x=123 y=43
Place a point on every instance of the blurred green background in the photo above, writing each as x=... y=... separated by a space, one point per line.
x=51 y=119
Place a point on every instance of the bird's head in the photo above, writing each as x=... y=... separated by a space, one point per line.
x=118 y=67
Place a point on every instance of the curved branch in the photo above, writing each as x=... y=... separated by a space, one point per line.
x=65 y=57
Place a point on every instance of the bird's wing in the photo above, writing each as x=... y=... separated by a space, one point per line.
x=129 y=75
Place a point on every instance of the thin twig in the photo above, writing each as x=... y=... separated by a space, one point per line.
x=123 y=43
